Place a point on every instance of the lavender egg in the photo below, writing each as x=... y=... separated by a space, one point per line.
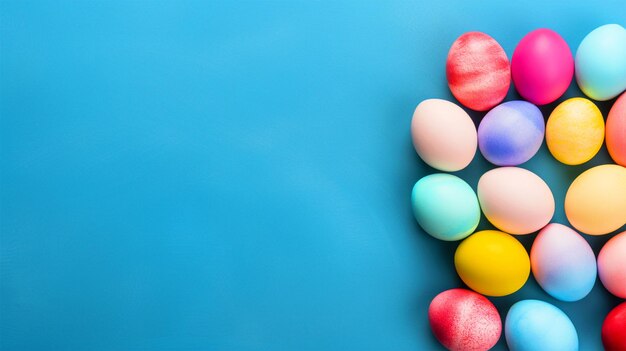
x=511 y=133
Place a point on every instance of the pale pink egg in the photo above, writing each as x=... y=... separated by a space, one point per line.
x=444 y=135
x=515 y=200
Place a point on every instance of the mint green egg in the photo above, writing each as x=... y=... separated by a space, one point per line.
x=445 y=206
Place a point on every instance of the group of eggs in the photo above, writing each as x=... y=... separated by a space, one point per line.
x=517 y=201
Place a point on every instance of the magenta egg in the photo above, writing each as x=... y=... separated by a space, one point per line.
x=542 y=66
x=464 y=320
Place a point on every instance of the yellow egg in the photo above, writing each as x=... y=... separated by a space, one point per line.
x=595 y=203
x=492 y=263
x=575 y=131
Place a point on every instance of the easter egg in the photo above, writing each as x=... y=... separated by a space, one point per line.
x=542 y=66
x=511 y=133
x=492 y=263
x=595 y=202
x=601 y=62
x=613 y=329
x=478 y=71
x=612 y=265
x=445 y=206
x=532 y=325
x=444 y=135
x=575 y=131
x=464 y=320
x=616 y=131
x=515 y=200
x=563 y=263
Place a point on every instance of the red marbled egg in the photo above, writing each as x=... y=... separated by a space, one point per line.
x=464 y=320
x=614 y=329
x=478 y=71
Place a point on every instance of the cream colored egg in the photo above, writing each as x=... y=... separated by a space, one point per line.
x=515 y=200
x=444 y=135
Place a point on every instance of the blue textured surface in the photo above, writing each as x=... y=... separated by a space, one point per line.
x=237 y=176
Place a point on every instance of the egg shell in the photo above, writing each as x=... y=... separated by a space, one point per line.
x=444 y=135
x=575 y=131
x=612 y=265
x=492 y=263
x=613 y=329
x=511 y=133
x=464 y=320
x=532 y=325
x=616 y=131
x=445 y=206
x=601 y=62
x=515 y=200
x=563 y=263
x=595 y=202
x=542 y=66
x=478 y=71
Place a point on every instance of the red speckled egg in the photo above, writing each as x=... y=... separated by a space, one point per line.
x=614 y=329
x=478 y=71
x=464 y=320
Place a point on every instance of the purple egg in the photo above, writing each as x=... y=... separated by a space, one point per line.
x=511 y=133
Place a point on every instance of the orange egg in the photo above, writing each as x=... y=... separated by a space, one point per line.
x=595 y=203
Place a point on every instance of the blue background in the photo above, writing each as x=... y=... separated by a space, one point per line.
x=181 y=175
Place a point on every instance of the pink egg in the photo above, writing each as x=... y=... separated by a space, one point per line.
x=478 y=71
x=542 y=66
x=464 y=320
x=612 y=265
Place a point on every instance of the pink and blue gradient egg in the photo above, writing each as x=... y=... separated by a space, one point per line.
x=511 y=133
x=563 y=263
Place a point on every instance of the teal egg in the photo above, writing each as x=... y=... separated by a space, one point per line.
x=445 y=206
x=601 y=62
x=532 y=325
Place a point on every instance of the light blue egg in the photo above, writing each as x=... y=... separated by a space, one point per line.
x=445 y=206
x=601 y=62
x=533 y=325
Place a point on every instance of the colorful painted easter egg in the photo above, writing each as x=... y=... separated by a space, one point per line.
x=515 y=200
x=478 y=71
x=445 y=206
x=444 y=135
x=595 y=203
x=575 y=131
x=563 y=263
x=464 y=320
x=511 y=133
x=612 y=265
x=614 y=329
x=492 y=263
x=537 y=325
x=616 y=131
x=601 y=62
x=542 y=66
